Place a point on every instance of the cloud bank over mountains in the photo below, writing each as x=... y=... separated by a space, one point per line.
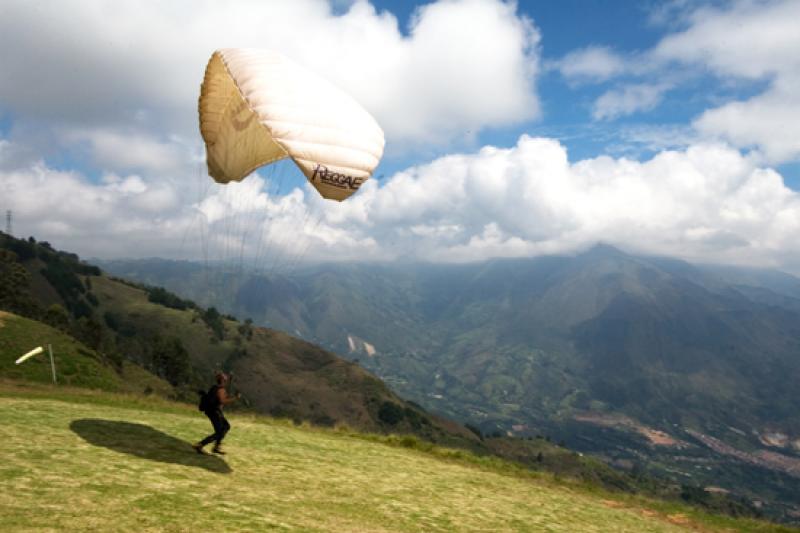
x=708 y=202
x=100 y=150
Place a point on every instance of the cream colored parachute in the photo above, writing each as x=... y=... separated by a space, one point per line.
x=257 y=107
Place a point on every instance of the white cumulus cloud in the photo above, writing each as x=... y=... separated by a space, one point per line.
x=122 y=151
x=120 y=64
x=707 y=202
x=747 y=40
x=628 y=99
x=745 y=44
x=594 y=63
x=115 y=83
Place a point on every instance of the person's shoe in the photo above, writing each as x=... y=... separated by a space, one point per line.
x=199 y=448
x=219 y=450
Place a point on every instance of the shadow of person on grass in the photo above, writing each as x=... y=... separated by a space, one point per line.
x=145 y=442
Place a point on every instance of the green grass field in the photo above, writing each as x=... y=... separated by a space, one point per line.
x=93 y=461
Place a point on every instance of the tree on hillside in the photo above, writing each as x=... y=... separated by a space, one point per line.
x=15 y=286
x=61 y=275
x=170 y=360
x=57 y=316
x=390 y=413
x=164 y=297
x=246 y=329
x=213 y=320
x=89 y=331
x=24 y=249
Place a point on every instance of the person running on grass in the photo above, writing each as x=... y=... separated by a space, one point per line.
x=217 y=398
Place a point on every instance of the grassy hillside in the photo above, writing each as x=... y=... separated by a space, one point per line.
x=78 y=461
x=277 y=374
x=132 y=326
x=641 y=361
x=129 y=333
x=76 y=364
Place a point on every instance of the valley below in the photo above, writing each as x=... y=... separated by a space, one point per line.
x=682 y=371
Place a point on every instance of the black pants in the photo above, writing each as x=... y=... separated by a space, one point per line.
x=221 y=427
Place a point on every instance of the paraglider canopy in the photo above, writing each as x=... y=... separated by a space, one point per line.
x=257 y=107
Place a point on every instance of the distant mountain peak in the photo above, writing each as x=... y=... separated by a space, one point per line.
x=603 y=250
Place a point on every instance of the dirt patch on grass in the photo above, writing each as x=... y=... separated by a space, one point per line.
x=3 y=315
x=613 y=504
x=679 y=518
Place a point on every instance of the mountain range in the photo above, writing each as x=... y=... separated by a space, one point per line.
x=650 y=362
x=113 y=334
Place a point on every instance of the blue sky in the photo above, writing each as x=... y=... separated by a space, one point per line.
x=565 y=26
x=512 y=129
x=627 y=28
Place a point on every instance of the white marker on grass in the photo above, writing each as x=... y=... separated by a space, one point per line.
x=30 y=354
